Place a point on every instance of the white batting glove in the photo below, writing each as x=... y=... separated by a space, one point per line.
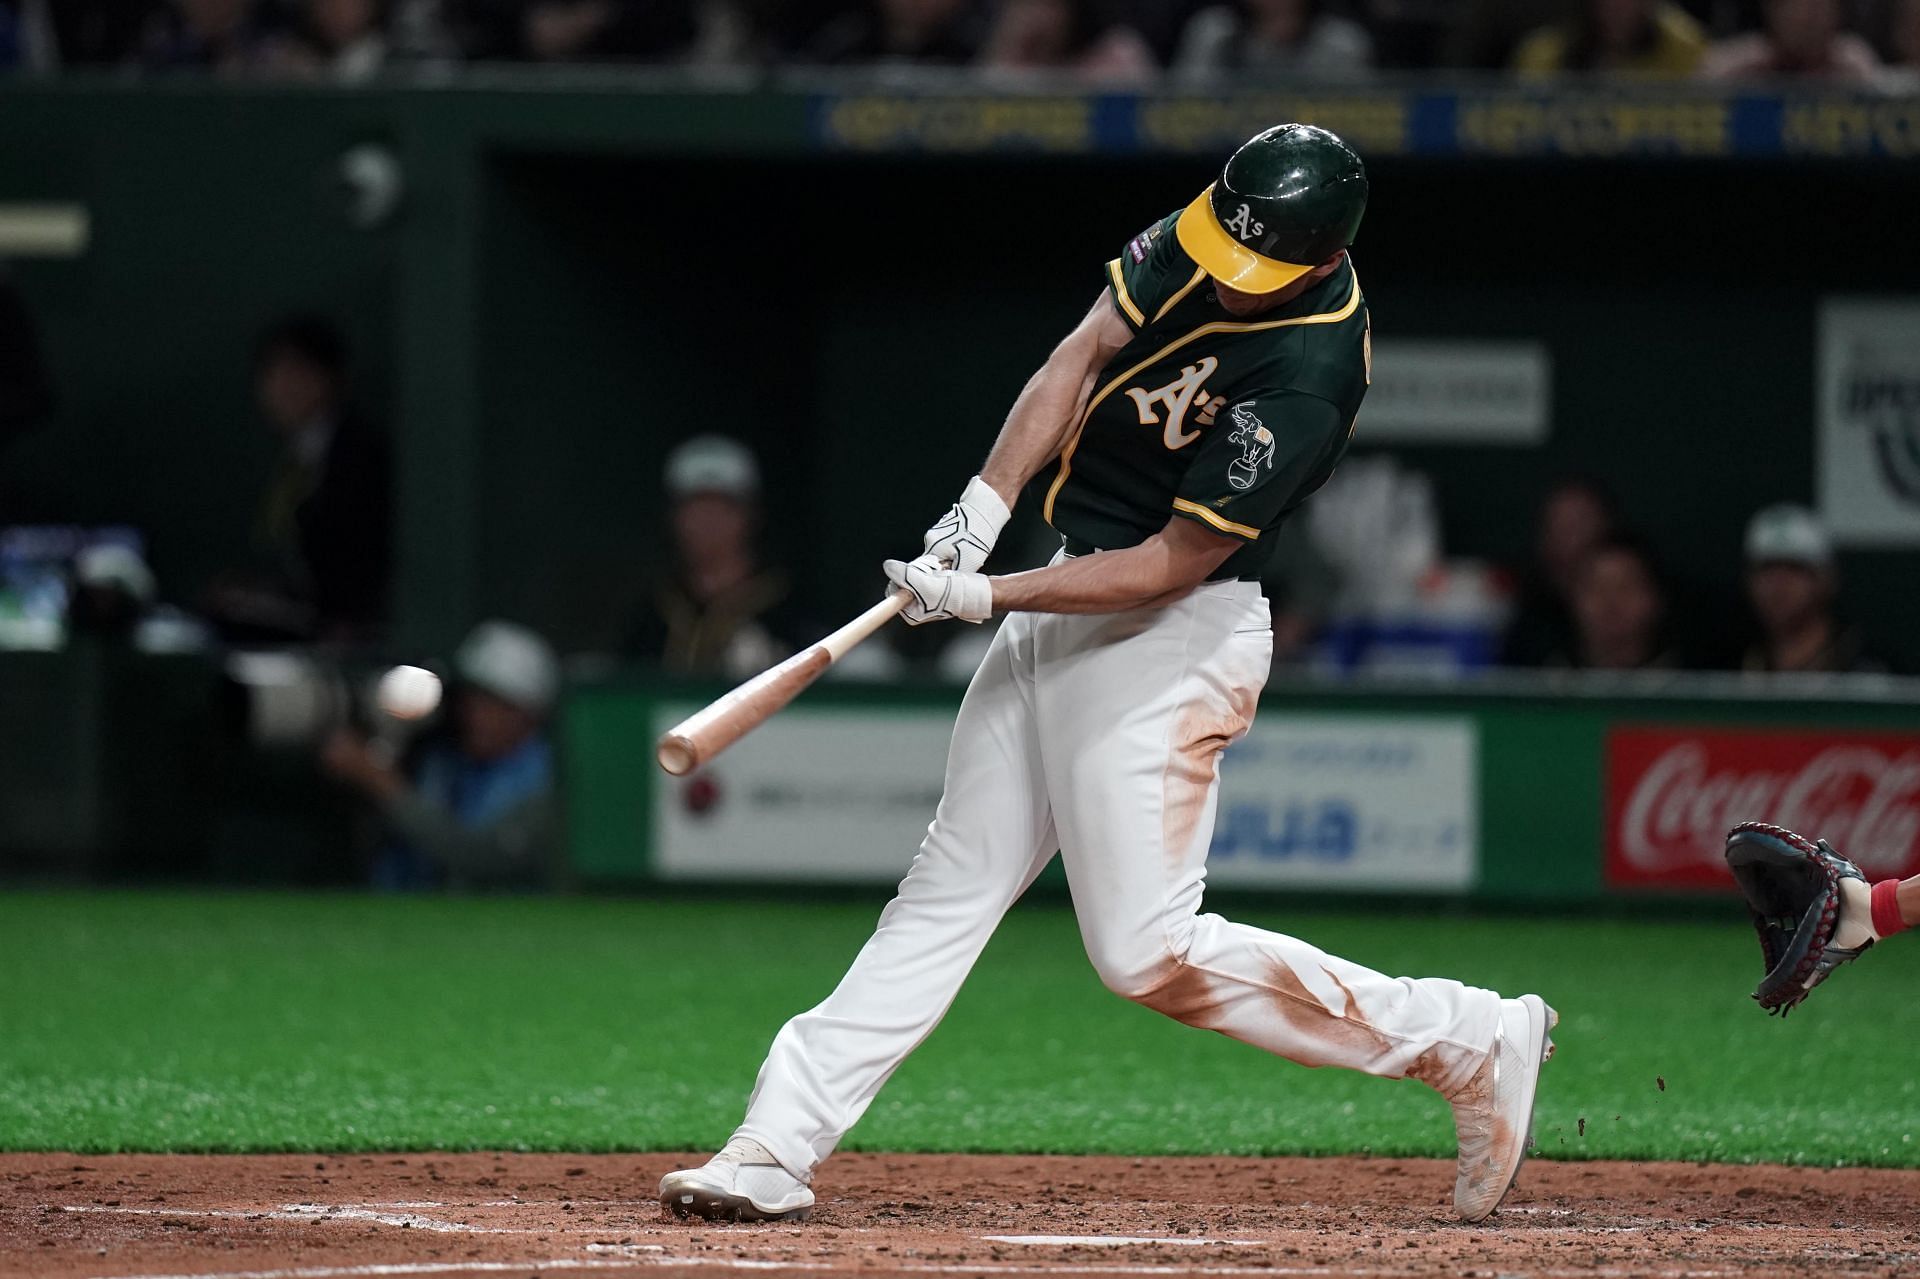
x=940 y=593
x=965 y=535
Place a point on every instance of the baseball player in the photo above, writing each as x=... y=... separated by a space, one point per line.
x=1210 y=390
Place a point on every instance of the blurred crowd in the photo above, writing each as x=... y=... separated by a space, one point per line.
x=464 y=793
x=1109 y=42
x=1361 y=580
x=1360 y=584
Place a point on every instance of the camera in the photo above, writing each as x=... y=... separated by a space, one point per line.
x=291 y=700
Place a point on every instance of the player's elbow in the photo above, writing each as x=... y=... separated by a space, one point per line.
x=1184 y=556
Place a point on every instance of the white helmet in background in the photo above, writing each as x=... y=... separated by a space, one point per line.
x=513 y=663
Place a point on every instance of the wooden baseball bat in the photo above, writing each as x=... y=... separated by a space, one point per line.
x=701 y=736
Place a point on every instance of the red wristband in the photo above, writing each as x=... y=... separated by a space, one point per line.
x=1886 y=908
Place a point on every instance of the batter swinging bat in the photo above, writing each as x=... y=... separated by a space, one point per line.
x=702 y=735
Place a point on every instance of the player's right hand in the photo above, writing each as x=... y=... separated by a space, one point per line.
x=965 y=535
x=940 y=593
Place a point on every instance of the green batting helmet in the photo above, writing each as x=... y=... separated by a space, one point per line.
x=1288 y=200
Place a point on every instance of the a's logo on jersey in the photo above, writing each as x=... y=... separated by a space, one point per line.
x=1256 y=448
x=1243 y=225
x=1176 y=397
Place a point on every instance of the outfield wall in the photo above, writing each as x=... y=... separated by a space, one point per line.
x=1521 y=792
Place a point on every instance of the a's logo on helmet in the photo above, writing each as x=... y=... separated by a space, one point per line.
x=1243 y=225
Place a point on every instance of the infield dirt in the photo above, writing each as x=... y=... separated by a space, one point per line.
x=328 y=1217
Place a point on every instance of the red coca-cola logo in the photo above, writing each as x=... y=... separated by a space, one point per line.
x=1672 y=794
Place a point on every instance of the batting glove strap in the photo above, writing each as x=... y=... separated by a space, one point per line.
x=939 y=593
x=964 y=536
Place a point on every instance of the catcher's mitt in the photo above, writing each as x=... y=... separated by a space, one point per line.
x=1792 y=885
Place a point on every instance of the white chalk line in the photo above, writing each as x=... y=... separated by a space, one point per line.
x=316 y=1212
x=912 y=1268
x=657 y=1255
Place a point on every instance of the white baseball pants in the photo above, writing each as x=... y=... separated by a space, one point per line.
x=1100 y=736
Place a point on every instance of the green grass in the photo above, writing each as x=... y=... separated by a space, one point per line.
x=176 y=1022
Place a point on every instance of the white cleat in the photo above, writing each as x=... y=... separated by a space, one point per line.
x=741 y=1183
x=1493 y=1114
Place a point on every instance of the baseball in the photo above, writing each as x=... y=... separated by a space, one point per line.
x=409 y=692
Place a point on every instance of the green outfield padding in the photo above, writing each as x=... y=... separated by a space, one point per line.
x=256 y=1023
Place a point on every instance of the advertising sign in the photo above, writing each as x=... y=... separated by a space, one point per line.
x=1673 y=793
x=1868 y=420
x=1350 y=802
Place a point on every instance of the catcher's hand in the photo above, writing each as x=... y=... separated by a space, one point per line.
x=1796 y=888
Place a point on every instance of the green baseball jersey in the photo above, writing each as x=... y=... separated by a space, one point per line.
x=1228 y=422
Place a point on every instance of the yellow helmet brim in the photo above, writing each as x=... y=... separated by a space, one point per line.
x=1225 y=258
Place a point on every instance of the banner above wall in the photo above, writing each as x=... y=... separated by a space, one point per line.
x=1447 y=391
x=1645 y=121
x=1867 y=404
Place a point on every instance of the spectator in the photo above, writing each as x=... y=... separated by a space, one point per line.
x=26 y=36
x=207 y=35
x=1791 y=583
x=99 y=32
x=579 y=30
x=1576 y=515
x=1065 y=36
x=26 y=389
x=720 y=612
x=337 y=39
x=1620 y=37
x=1272 y=36
x=1486 y=33
x=112 y=590
x=475 y=809
x=324 y=528
x=1619 y=612
x=1799 y=38
x=925 y=32
x=1903 y=43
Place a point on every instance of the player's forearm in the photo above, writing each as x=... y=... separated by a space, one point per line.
x=1143 y=576
x=1039 y=423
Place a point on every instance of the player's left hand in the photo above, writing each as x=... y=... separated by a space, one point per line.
x=940 y=593
x=965 y=535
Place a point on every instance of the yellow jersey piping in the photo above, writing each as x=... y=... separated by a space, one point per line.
x=1120 y=295
x=1199 y=274
x=1221 y=326
x=1220 y=522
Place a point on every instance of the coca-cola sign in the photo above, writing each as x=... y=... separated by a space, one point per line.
x=1673 y=793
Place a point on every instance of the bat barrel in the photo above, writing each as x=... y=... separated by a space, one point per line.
x=677 y=754
x=702 y=735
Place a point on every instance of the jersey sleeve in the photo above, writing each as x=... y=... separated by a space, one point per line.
x=1263 y=457
x=1150 y=271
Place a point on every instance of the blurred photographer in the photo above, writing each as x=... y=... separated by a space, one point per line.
x=474 y=807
